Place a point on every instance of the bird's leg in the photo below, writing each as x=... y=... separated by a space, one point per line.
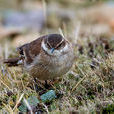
x=51 y=83
x=48 y=84
x=57 y=80
x=38 y=84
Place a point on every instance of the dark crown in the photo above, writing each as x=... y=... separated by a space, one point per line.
x=53 y=40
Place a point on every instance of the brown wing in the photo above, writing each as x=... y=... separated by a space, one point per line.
x=31 y=50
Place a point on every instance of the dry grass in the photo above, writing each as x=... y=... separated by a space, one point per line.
x=89 y=86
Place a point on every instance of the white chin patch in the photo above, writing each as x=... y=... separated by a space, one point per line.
x=55 y=53
x=65 y=49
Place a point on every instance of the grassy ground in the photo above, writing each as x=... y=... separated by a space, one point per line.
x=87 y=88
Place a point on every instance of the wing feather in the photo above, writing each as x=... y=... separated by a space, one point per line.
x=30 y=50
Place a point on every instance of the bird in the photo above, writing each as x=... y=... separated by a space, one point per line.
x=46 y=58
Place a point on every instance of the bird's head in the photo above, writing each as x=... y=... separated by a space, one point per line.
x=54 y=44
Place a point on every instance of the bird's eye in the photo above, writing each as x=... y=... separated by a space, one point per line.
x=60 y=45
x=48 y=45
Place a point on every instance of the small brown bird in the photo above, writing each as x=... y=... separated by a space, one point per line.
x=47 y=57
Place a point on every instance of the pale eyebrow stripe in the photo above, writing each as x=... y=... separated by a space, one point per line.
x=59 y=43
x=49 y=44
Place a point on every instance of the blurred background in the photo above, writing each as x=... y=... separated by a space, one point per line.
x=22 y=21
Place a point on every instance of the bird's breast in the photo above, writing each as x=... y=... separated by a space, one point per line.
x=48 y=67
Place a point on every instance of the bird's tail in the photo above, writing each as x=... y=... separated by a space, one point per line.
x=13 y=61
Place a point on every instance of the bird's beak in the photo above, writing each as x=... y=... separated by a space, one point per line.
x=52 y=50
